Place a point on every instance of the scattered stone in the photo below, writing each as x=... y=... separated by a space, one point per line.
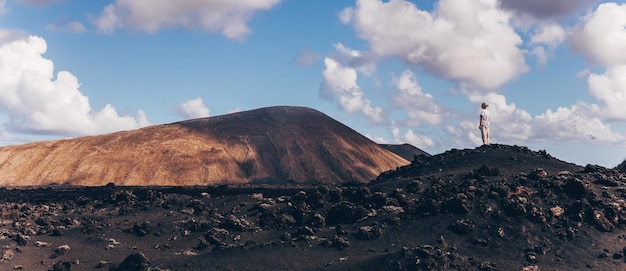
x=369 y=232
x=21 y=239
x=340 y=243
x=602 y=223
x=538 y=174
x=7 y=254
x=60 y=250
x=134 y=262
x=557 y=211
x=42 y=244
x=462 y=226
x=61 y=266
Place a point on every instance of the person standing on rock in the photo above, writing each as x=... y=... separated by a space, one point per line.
x=485 y=119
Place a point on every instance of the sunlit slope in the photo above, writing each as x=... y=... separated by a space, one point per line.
x=274 y=144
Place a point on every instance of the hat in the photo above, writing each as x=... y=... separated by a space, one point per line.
x=484 y=105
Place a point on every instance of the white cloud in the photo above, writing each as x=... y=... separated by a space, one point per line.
x=550 y=34
x=419 y=106
x=227 y=17
x=345 y=16
x=541 y=53
x=108 y=20
x=419 y=141
x=546 y=38
x=573 y=124
x=36 y=102
x=470 y=41
x=602 y=35
x=340 y=84
x=610 y=88
x=354 y=58
x=7 y=138
x=193 y=109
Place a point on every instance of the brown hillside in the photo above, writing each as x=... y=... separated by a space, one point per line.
x=275 y=144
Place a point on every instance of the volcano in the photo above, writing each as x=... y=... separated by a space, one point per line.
x=269 y=145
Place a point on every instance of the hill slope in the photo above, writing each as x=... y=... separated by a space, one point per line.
x=406 y=151
x=263 y=145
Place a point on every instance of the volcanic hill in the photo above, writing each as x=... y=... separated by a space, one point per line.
x=267 y=145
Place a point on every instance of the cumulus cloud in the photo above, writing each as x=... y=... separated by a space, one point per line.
x=37 y=102
x=550 y=34
x=546 y=38
x=469 y=41
x=355 y=59
x=575 y=125
x=610 y=88
x=542 y=9
x=340 y=84
x=602 y=35
x=193 y=109
x=420 y=107
x=417 y=140
x=227 y=17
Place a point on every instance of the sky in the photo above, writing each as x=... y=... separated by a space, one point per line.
x=398 y=71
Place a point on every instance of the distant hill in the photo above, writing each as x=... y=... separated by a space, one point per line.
x=274 y=144
x=406 y=151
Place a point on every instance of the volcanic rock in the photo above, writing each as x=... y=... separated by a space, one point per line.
x=134 y=262
x=417 y=217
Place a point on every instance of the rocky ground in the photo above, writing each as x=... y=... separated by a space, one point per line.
x=491 y=208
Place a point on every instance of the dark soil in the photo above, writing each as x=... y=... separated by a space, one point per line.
x=491 y=208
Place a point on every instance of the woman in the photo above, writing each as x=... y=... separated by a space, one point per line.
x=485 y=118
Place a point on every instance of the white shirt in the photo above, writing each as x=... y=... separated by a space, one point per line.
x=485 y=117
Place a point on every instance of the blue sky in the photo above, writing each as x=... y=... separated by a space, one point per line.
x=553 y=72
